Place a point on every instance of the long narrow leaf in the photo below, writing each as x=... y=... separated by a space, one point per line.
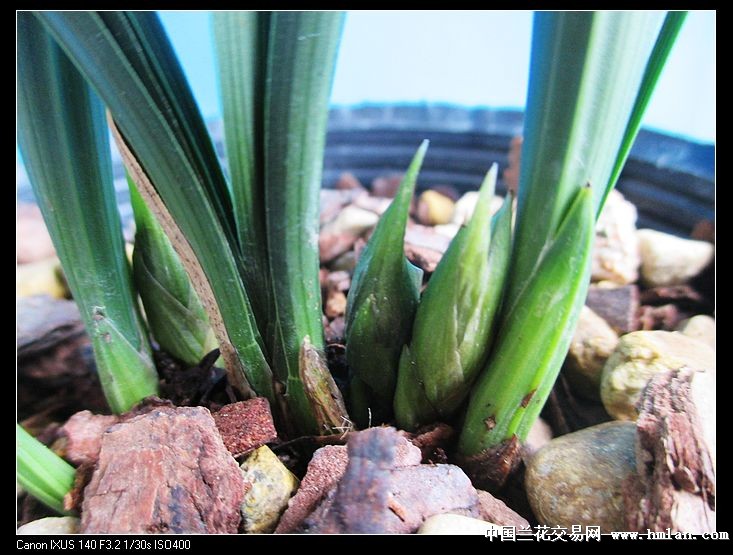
x=301 y=59
x=666 y=39
x=241 y=43
x=585 y=73
x=381 y=307
x=41 y=472
x=63 y=140
x=589 y=75
x=126 y=56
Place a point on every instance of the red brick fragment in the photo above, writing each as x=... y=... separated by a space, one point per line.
x=246 y=425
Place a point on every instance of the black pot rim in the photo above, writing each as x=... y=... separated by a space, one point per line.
x=670 y=179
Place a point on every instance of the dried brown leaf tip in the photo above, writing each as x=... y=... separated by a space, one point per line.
x=322 y=391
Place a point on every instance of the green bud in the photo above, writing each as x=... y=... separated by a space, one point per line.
x=455 y=319
x=381 y=305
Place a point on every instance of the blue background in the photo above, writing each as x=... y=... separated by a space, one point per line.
x=469 y=58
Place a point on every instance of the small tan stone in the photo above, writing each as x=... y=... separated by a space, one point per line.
x=272 y=487
x=450 y=524
x=592 y=344
x=700 y=327
x=640 y=355
x=335 y=304
x=378 y=205
x=51 y=525
x=434 y=208
x=447 y=230
x=333 y=200
x=576 y=479
x=616 y=245
x=467 y=204
x=351 y=220
x=670 y=260
x=40 y=278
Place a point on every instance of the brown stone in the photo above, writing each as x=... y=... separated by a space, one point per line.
x=323 y=277
x=334 y=332
x=593 y=342
x=348 y=181
x=666 y=317
x=332 y=245
x=386 y=186
x=333 y=200
x=618 y=306
x=164 y=471
x=495 y=511
x=246 y=425
x=425 y=236
x=378 y=205
x=424 y=247
x=83 y=433
x=345 y=262
x=339 y=281
x=325 y=469
x=422 y=257
x=376 y=496
x=511 y=172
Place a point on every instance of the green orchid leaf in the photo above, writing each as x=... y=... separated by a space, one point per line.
x=63 y=140
x=586 y=71
x=301 y=59
x=41 y=472
x=128 y=60
x=590 y=77
x=241 y=41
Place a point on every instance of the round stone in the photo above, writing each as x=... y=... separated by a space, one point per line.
x=577 y=478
